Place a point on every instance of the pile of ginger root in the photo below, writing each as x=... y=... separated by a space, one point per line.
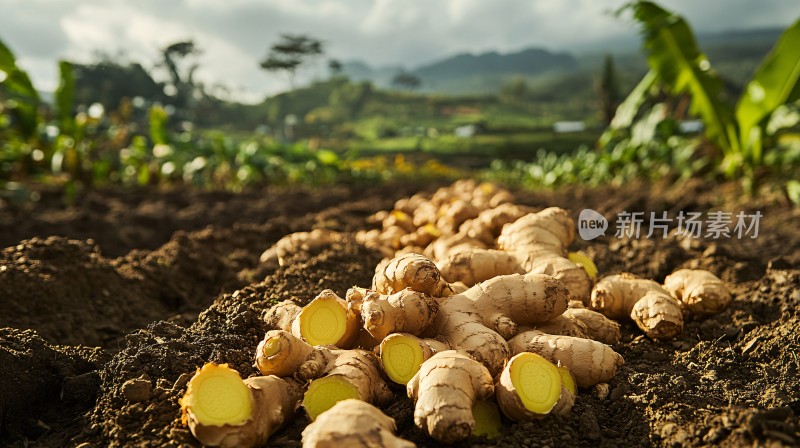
x=477 y=310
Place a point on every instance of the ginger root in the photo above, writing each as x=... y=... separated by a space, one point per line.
x=480 y=319
x=534 y=243
x=699 y=291
x=487 y=419
x=591 y=362
x=223 y=410
x=540 y=242
x=477 y=265
x=281 y=315
x=445 y=390
x=406 y=311
x=583 y=323
x=353 y=423
x=339 y=375
x=299 y=241
x=281 y=353
x=402 y=354
x=654 y=310
x=530 y=386
x=326 y=320
x=410 y=271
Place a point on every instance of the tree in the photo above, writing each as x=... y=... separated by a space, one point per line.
x=515 y=90
x=335 y=67
x=608 y=89
x=406 y=80
x=182 y=83
x=290 y=53
x=107 y=82
x=348 y=99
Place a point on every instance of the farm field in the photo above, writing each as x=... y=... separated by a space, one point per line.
x=366 y=224
x=730 y=379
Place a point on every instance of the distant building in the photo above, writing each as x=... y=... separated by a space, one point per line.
x=690 y=126
x=469 y=130
x=563 y=127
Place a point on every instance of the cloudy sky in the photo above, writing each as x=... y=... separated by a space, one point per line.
x=235 y=34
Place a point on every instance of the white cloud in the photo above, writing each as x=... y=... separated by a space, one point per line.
x=235 y=34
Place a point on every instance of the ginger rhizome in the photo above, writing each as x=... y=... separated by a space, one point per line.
x=487 y=419
x=341 y=374
x=590 y=362
x=402 y=354
x=326 y=320
x=529 y=387
x=445 y=390
x=476 y=265
x=461 y=216
x=299 y=241
x=406 y=311
x=410 y=271
x=583 y=323
x=651 y=307
x=540 y=241
x=532 y=243
x=477 y=300
x=353 y=423
x=699 y=291
x=223 y=410
x=281 y=353
x=478 y=320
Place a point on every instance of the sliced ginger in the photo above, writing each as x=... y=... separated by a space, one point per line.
x=217 y=396
x=340 y=375
x=567 y=379
x=324 y=393
x=402 y=355
x=327 y=321
x=487 y=419
x=581 y=259
x=590 y=362
x=569 y=390
x=223 y=410
x=529 y=387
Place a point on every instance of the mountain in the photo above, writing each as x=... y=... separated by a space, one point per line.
x=360 y=71
x=734 y=53
x=528 y=62
x=470 y=73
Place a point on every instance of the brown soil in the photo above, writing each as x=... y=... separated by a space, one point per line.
x=728 y=380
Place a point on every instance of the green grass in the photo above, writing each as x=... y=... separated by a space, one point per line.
x=522 y=145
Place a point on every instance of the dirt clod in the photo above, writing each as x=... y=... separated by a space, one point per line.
x=137 y=390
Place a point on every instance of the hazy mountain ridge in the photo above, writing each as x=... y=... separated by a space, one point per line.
x=487 y=72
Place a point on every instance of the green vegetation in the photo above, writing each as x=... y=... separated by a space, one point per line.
x=111 y=122
x=679 y=67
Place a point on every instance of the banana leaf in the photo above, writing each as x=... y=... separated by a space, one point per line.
x=673 y=53
x=18 y=85
x=64 y=96
x=775 y=83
